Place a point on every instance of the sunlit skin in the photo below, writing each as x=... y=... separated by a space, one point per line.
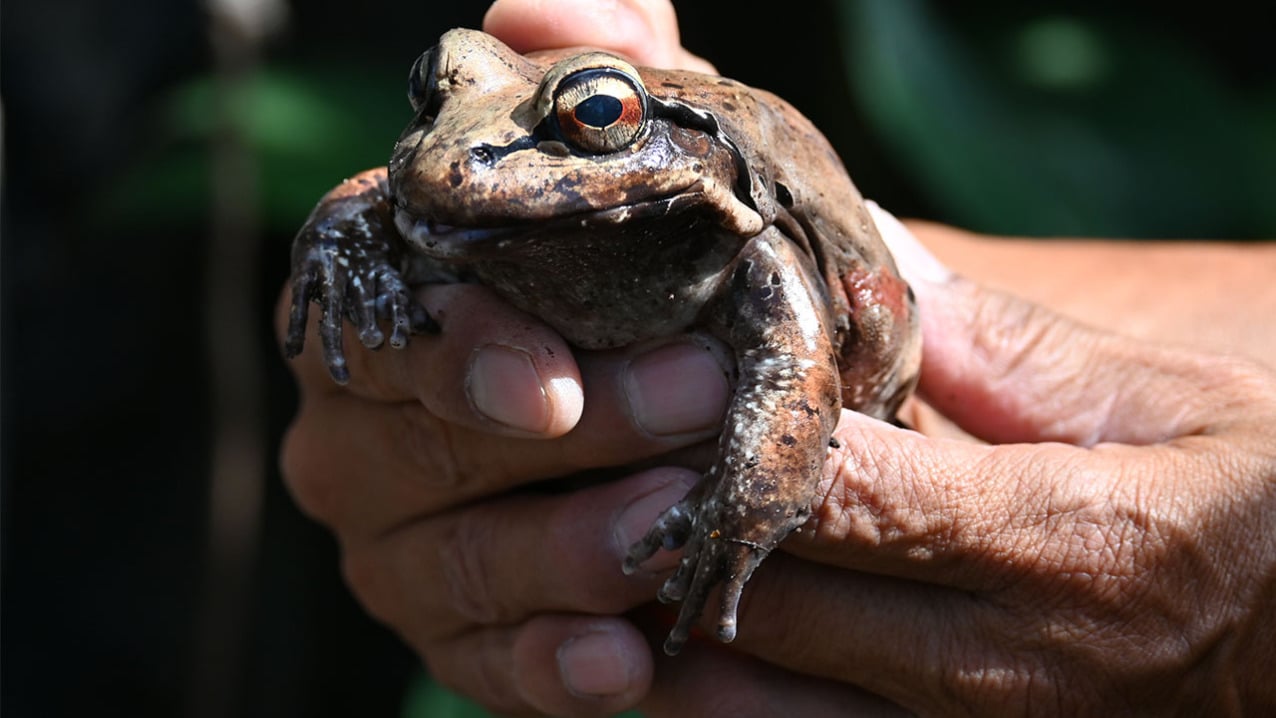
x=621 y=206
x=1112 y=546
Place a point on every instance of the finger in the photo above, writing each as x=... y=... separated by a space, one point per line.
x=502 y=561
x=1043 y=522
x=1008 y=370
x=980 y=518
x=941 y=511
x=711 y=680
x=502 y=602
x=492 y=367
x=365 y=467
x=585 y=665
x=901 y=640
x=550 y=665
x=644 y=30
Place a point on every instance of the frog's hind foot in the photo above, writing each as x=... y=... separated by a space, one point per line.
x=709 y=559
x=669 y=531
x=714 y=561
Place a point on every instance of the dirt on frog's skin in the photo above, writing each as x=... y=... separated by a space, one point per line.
x=618 y=213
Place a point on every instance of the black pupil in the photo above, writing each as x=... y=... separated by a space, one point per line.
x=599 y=110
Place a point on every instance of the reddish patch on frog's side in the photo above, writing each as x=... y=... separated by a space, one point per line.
x=880 y=287
x=882 y=320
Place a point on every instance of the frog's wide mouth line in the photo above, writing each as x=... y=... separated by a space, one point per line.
x=451 y=241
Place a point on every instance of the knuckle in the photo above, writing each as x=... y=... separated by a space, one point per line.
x=1008 y=332
x=313 y=482
x=365 y=575
x=430 y=444
x=862 y=505
x=1012 y=669
x=1250 y=383
x=571 y=572
x=465 y=555
x=983 y=683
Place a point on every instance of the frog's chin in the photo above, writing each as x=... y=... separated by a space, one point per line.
x=446 y=241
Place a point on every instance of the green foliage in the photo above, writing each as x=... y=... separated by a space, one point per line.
x=1020 y=123
x=303 y=130
x=1063 y=124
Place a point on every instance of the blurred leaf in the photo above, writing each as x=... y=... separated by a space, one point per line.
x=307 y=130
x=427 y=699
x=1062 y=125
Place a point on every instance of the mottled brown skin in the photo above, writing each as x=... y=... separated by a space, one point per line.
x=719 y=209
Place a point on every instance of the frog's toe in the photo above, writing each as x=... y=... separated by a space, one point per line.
x=399 y=326
x=364 y=313
x=730 y=600
x=331 y=335
x=676 y=639
x=298 y=312
x=669 y=532
x=395 y=303
x=371 y=336
x=721 y=561
x=400 y=309
x=698 y=574
x=334 y=356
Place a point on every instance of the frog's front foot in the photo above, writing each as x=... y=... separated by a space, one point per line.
x=349 y=278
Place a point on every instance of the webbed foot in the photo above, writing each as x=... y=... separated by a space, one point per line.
x=360 y=289
x=710 y=557
x=346 y=259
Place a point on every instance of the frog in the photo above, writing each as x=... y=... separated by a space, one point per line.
x=621 y=205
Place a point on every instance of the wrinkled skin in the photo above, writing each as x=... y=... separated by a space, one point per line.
x=510 y=598
x=619 y=206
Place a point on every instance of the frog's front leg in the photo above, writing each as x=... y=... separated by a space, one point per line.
x=774 y=442
x=348 y=258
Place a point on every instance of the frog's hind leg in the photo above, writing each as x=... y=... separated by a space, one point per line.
x=775 y=437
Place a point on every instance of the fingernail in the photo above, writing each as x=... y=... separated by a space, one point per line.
x=916 y=263
x=504 y=386
x=676 y=389
x=594 y=664
x=636 y=518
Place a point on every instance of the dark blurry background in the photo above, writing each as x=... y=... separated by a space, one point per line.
x=156 y=164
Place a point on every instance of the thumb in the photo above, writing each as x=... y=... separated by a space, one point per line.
x=1008 y=370
x=644 y=30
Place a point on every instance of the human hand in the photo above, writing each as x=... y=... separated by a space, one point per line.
x=644 y=30
x=1112 y=550
x=418 y=459
x=457 y=419
x=503 y=597
x=1119 y=555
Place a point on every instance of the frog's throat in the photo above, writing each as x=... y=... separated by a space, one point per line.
x=445 y=241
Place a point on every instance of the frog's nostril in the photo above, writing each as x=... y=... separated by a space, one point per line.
x=483 y=154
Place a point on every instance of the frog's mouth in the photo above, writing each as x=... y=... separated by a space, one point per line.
x=445 y=241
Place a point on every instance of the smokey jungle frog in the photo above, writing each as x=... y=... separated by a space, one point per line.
x=622 y=204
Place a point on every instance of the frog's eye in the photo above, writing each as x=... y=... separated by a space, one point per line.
x=422 y=92
x=599 y=110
